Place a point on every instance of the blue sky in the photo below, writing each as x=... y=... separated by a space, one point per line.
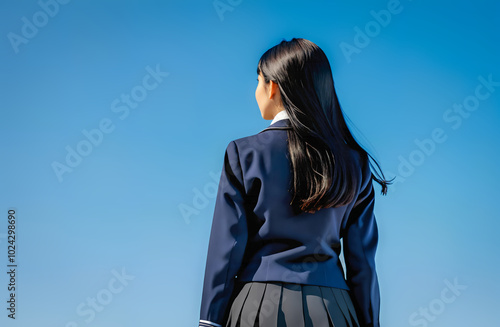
x=115 y=116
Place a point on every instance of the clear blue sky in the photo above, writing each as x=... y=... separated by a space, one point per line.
x=115 y=116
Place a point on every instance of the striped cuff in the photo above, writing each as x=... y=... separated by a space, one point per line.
x=206 y=323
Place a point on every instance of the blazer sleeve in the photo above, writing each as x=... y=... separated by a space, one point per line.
x=228 y=239
x=360 y=243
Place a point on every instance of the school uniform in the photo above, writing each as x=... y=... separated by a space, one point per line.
x=267 y=266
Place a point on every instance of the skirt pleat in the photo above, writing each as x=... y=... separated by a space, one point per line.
x=277 y=304
x=350 y=305
x=270 y=303
x=333 y=308
x=343 y=306
x=251 y=306
x=315 y=313
x=238 y=304
x=291 y=305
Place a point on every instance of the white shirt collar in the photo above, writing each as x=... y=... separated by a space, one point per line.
x=279 y=116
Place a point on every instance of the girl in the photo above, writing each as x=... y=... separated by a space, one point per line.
x=287 y=196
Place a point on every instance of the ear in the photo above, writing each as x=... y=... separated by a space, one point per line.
x=273 y=89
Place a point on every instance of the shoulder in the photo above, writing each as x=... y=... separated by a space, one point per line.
x=261 y=149
x=267 y=138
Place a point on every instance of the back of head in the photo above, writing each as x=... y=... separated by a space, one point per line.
x=325 y=173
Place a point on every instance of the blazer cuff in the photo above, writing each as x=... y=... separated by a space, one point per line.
x=206 y=323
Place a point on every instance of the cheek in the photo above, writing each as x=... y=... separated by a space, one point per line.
x=258 y=94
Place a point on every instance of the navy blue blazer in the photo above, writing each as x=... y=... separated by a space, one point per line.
x=255 y=235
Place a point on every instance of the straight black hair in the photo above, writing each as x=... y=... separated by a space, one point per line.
x=324 y=173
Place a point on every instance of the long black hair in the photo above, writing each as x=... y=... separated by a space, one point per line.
x=324 y=174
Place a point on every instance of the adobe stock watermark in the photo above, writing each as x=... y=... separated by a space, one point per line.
x=362 y=37
x=92 y=305
x=437 y=306
x=454 y=117
x=31 y=26
x=201 y=198
x=94 y=137
x=223 y=6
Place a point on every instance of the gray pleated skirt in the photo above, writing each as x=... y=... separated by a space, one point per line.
x=276 y=304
